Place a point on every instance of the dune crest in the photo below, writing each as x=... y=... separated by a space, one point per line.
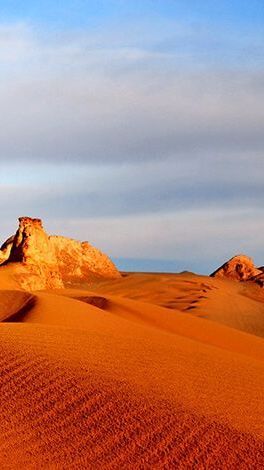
x=43 y=261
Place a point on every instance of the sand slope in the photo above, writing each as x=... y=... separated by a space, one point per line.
x=151 y=316
x=13 y=303
x=231 y=303
x=100 y=379
x=92 y=399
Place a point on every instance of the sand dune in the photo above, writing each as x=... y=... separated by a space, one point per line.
x=238 y=305
x=234 y=305
x=151 y=316
x=111 y=377
x=13 y=303
x=94 y=398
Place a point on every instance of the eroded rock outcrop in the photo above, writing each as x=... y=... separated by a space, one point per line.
x=52 y=261
x=79 y=260
x=239 y=268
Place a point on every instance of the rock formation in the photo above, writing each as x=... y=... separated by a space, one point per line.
x=52 y=261
x=239 y=268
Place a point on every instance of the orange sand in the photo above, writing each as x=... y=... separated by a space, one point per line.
x=150 y=371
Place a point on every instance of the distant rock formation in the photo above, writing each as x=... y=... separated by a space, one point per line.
x=53 y=261
x=239 y=268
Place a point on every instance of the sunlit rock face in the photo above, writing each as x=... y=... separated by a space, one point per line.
x=77 y=260
x=31 y=244
x=52 y=261
x=239 y=268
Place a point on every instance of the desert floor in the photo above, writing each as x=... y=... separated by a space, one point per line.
x=149 y=371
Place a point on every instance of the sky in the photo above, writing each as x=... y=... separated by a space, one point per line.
x=137 y=125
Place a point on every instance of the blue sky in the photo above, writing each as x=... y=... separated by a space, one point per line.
x=80 y=12
x=137 y=125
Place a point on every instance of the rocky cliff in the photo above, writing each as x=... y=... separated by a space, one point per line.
x=239 y=268
x=52 y=261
